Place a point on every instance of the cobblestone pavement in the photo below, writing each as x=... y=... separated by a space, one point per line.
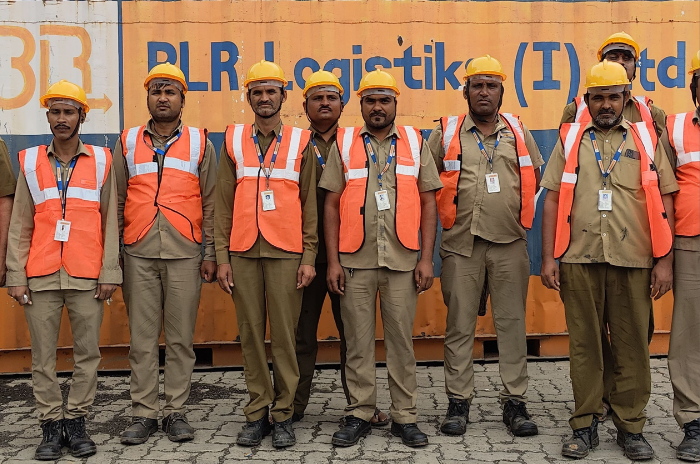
x=217 y=399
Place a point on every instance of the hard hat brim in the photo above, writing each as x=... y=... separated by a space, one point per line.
x=249 y=81
x=44 y=100
x=367 y=87
x=486 y=73
x=323 y=84
x=165 y=76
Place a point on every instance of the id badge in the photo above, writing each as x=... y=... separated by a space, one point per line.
x=382 y=198
x=268 y=200
x=604 y=200
x=492 y=184
x=62 y=231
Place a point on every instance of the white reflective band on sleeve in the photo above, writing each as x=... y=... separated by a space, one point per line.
x=571 y=139
x=353 y=174
x=414 y=143
x=580 y=109
x=237 y=147
x=646 y=139
x=38 y=196
x=83 y=194
x=100 y=165
x=294 y=148
x=688 y=157
x=131 y=149
x=449 y=132
x=568 y=178
x=525 y=160
x=678 y=129
x=451 y=165
x=195 y=148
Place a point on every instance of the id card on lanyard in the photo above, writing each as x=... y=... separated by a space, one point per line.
x=604 y=194
x=381 y=196
x=62 y=226
x=492 y=183
x=267 y=196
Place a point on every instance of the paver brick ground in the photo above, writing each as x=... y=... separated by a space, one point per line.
x=216 y=403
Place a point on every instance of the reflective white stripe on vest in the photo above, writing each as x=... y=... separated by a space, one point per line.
x=568 y=178
x=130 y=150
x=255 y=172
x=449 y=132
x=643 y=106
x=100 y=165
x=415 y=154
x=451 y=165
x=83 y=194
x=571 y=139
x=346 y=143
x=237 y=147
x=644 y=135
x=688 y=157
x=38 y=196
x=580 y=108
x=525 y=160
x=195 y=149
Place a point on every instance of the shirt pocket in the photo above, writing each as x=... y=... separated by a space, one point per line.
x=627 y=173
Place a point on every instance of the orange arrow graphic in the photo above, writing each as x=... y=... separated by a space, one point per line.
x=103 y=103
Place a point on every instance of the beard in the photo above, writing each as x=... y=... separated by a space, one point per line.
x=266 y=112
x=607 y=120
x=379 y=125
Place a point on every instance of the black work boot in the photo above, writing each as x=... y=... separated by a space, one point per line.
x=50 y=447
x=635 y=445
x=77 y=439
x=689 y=449
x=351 y=430
x=252 y=433
x=283 y=434
x=297 y=416
x=457 y=417
x=516 y=417
x=410 y=434
x=139 y=431
x=582 y=441
x=177 y=428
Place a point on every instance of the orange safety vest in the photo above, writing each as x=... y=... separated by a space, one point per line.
x=685 y=139
x=176 y=194
x=571 y=134
x=643 y=105
x=81 y=255
x=452 y=167
x=352 y=202
x=282 y=226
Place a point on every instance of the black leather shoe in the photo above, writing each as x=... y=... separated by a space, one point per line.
x=283 y=434
x=689 y=449
x=79 y=442
x=252 y=433
x=457 y=418
x=582 y=442
x=516 y=417
x=635 y=445
x=50 y=447
x=296 y=417
x=177 y=428
x=410 y=434
x=352 y=429
x=139 y=431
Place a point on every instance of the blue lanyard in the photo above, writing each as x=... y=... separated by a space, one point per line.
x=483 y=150
x=318 y=154
x=63 y=187
x=616 y=158
x=168 y=144
x=392 y=154
x=267 y=171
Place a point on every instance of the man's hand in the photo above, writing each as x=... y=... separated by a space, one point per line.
x=21 y=294
x=208 y=271
x=335 y=278
x=305 y=274
x=224 y=275
x=423 y=275
x=662 y=277
x=3 y=272
x=104 y=291
x=549 y=273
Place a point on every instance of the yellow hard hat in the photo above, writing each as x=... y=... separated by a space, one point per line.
x=265 y=71
x=618 y=38
x=606 y=74
x=66 y=91
x=322 y=78
x=694 y=63
x=378 y=79
x=484 y=65
x=166 y=71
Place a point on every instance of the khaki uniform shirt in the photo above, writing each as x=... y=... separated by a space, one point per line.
x=381 y=247
x=324 y=148
x=7 y=177
x=629 y=112
x=226 y=188
x=22 y=226
x=492 y=216
x=681 y=243
x=163 y=240
x=620 y=237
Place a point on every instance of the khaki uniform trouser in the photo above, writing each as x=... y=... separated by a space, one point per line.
x=157 y=293
x=593 y=293
x=462 y=281
x=257 y=280
x=44 y=321
x=397 y=296
x=307 y=339
x=684 y=350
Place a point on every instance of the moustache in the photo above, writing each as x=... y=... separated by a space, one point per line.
x=377 y=113
x=606 y=112
x=61 y=126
